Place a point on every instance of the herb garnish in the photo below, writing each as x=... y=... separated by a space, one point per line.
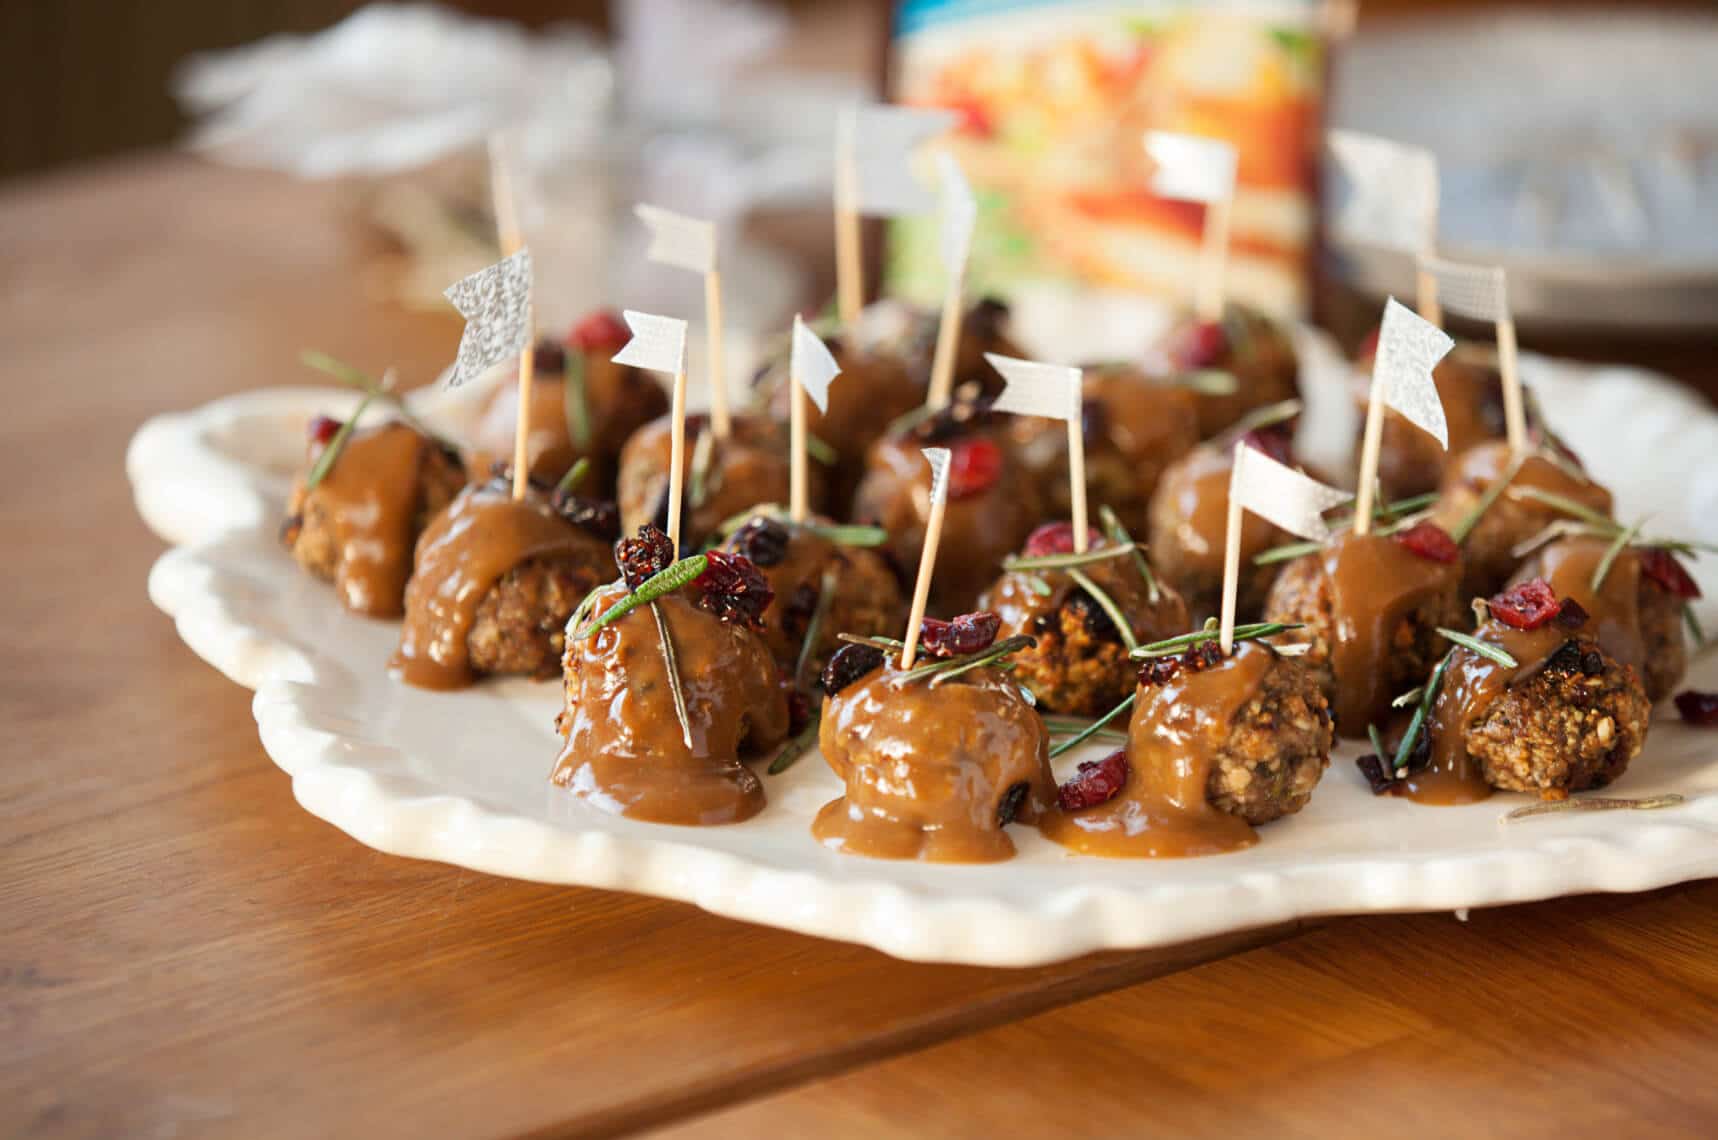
x=664 y=581
x=332 y=449
x=672 y=666
x=1095 y=727
x=1252 y=632
x=574 y=476
x=1595 y=803
x=1108 y=604
x=575 y=402
x=1484 y=648
x=1118 y=534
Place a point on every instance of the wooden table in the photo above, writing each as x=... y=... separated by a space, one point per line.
x=184 y=952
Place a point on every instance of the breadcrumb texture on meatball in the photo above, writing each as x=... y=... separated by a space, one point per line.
x=1278 y=747
x=520 y=627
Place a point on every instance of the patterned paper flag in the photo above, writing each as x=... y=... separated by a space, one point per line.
x=1034 y=389
x=1282 y=494
x=1392 y=191
x=658 y=344
x=675 y=239
x=1191 y=167
x=812 y=366
x=1408 y=349
x=496 y=305
x=879 y=142
x=959 y=214
x=938 y=459
x=1477 y=291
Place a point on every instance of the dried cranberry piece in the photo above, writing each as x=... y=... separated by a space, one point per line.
x=1202 y=656
x=1429 y=541
x=1197 y=344
x=1698 y=708
x=1663 y=568
x=967 y=633
x=1056 y=538
x=1009 y=805
x=848 y=664
x=321 y=429
x=1377 y=776
x=598 y=517
x=732 y=588
x=1275 y=441
x=1094 y=782
x=548 y=359
x=763 y=540
x=1159 y=670
x=974 y=466
x=602 y=330
x=1571 y=614
x=638 y=558
x=1526 y=606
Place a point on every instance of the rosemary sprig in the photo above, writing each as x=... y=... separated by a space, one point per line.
x=1063 y=561
x=1595 y=803
x=1108 y=604
x=886 y=644
x=1484 y=649
x=1095 y=727
x=697 y=481
x=664 y=581
x=1565 y=504
x=1073 y=725
x=331 y=451
x=1039 y=586
x=1118 y=534
x=821 y=451
x=575 y=400
x=849 y=534
x=574 y=476
x=1603 y=569
x=1428 y=695
x=928 y=669
x=1209 y=381
x=1391 y=517
x=672 y=665
x=1465 y=527
x=382 y=390
x=1377 y=741
x=1287 y=552
x=996 y=653
x=1261 y=418
x=1693 y=623
x=814 y=627
x=1251 y=632
x=796 y=747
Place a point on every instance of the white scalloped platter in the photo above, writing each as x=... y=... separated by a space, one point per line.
x=463 y=778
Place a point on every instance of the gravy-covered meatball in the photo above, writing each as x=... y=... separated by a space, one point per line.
x=1245 y=345
x=1411 y=462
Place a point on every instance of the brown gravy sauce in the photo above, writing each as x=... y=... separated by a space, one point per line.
x=1484 y=465
x=1172 y=745
x=624 y=750
x=1201 y=497
x=484 y=533
x=372 y=496
x=1614 y=612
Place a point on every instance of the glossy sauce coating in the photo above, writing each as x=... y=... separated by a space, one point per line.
x=1614 y=612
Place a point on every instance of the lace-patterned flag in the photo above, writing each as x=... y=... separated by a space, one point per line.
x=1034 y=389
x=1477 y=291
x=1281 y=494
x=937 y=457
x=879 y=142
x=1408 y=349
x=1392 y=191
x=496 y=305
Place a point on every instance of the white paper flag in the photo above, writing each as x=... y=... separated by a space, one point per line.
x=1477 y=291
x=1392 y=191
x=1282 y=494
x=496 y=305
x=813 y=367
x=938 y=459
x=658 y=343
x=675 y=239
x=959 y=214
x=1034 y=389
x=879 y=141
x=1408 y=349
x=1191 y=167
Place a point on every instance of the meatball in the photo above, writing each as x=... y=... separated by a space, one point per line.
x=1247 y=345
x=1411 y=462
x=1080 y=664
x=1216 y=745
x=1371 y=607
x=933 y=771
x=1488 y=550
x=495 y=582
x=1188 y=526
x=1134 y=430
x=358 y=526
x=983 y=328
x=626 y=750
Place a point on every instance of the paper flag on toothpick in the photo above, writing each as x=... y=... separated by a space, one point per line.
x=880 y=141
x=938 y=459
x=1191 y=167
x=959 y=214
x=1034 y=389
x=1408 y=349
x=1392 y=191
x=675 y=239
x=496 y=305
x=1477 y=291
x=1281 y=494
x=812 y=366
x=658 y=344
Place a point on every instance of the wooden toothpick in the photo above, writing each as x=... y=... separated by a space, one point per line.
x=1231 y=563
x=507 y=228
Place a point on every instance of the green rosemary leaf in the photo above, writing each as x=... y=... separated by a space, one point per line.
x=1259 y=418
x=796 y=747
x=1118 y=534
x=1095 y=727
x=574 y=476
x=996 y=654
x=814 y=628
x=850 y=534
x=1603 y=569
x=886 y=644
x=1286 y=552
x=1595 y=803
x=575 y=399
x=1377 y=741
x=1416 y=725
x=1070 y=725
x=1693 y=623
x=664 y=581
x=1039 y=586
x=331 y=451
x=926 y=669
x=1209 y=381
x=1252 y=632
x=821 y=451
x=1484 y=649
x=698 y=480
x=1064 y=561
x=1567 y=505
x=338 y=369
x=1465 y=527
x=1102 y=597
x=671 y=664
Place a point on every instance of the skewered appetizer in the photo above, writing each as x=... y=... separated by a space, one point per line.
x=1216 y=745
x=583 y=405
x=1086 y=612
x=1188 y=516
x=1135 y=430
x=668 y=684
x=495 y=581
x=1243 y=362
x=1369 y=607
x=938 y=759
x=364 y=498
x=993 y=503
x=1529 y=702
x=1470 y=388
x=984 y=329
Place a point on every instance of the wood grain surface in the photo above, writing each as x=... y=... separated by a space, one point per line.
x=184 y=952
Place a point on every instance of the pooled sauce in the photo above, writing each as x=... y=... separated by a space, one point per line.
x=1173 y=744
x=484 y=533
x=1470 y=685
x=1376 y=584
x=926 y=770
x=371 y=496
x=624 y=749
x=1614 y=612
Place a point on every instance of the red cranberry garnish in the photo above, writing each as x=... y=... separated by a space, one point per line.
x=967 y=633
x=974 y=466
x=548 y=359
x=1056 y=538
x=1159 y=670
x=763 y=540
x=1430 y=541
x=1196 y=658
x=321 y=429
x=732 y=588
x=602 y=330
x=638 y=558
x=848 y=664
x=1698 y=708
x=1094 y=782
x=1571 y=614
x=1275 y=441
x=1197 y=344
x=1527 y=606
x=1662 y=567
